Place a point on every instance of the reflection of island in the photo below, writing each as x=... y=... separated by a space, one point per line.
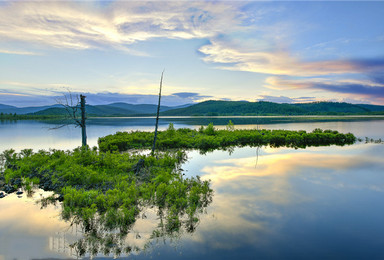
x=151 y=225
x=60 y=242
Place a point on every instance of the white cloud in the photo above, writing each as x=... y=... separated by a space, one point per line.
x=273 y=62
x=15 y=52
x=83 y=25
x=348 y=90
x=33 y=89
x=283 y=99
x=41 y=98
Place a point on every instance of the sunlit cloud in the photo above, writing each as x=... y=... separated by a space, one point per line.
x=276 y=62
x=75 y=25
x=232 y=35
x=281 y=62
x=14 y=52
x=39 y=98
x=167 y=100
x=284 y=99
x=293 y=72
x=13 y=94
x=32 y=89
x=352 y=88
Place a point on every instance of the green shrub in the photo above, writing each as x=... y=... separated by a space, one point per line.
x=210 y=129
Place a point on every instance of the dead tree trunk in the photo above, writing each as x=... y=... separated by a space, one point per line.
x=82 y=122
x=157 y=115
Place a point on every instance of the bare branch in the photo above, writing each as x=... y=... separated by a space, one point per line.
x=57 y=127
x=72 y=111
x=71 y=108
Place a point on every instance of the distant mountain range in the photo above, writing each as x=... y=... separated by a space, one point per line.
x=114 y=109
x=23 y=110
x=207 y=108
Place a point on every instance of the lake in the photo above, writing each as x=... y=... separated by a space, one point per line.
x=268 y=203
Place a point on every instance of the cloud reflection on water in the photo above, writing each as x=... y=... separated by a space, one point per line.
x=291 y=203
x=254 y=204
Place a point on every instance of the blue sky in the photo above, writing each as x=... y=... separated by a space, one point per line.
x=115 y=51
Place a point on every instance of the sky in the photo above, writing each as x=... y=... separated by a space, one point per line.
x=115 y=51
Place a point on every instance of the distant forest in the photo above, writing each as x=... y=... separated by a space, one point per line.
x=243 y=108
x=207 y=108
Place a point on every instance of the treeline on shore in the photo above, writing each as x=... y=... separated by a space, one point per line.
x=263 y=108
x=207 y=108
x=14 y=116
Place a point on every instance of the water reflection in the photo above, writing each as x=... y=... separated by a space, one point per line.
x=26 y=134
x=149 y=229
x=26 y=229
x=318 y=203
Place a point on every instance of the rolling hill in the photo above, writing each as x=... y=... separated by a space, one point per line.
x=208 y=108
x=243 y=108
x=114 y=109
x=23 y=110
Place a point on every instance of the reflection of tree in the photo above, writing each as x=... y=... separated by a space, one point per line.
x=123 y=240
x=100 y=238
x=257 y=155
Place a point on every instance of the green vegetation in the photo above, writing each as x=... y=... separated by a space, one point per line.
x=106 y=192
x=239 y=108
x=244 y=108
x=209 y=138
x=14 y=116
x=207 y=108
x=333 y=108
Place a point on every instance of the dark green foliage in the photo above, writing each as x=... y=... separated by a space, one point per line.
x=240 y=108
x=25 y=117
x=209 y=138
x=244 y=108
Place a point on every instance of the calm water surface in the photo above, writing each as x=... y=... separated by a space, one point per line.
x=314 y=203
x=20 y=135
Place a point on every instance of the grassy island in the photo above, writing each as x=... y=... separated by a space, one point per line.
x=209 y=138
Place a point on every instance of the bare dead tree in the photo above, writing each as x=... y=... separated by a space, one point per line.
x=82 y=122
x=157 y=114
x=75 y=110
